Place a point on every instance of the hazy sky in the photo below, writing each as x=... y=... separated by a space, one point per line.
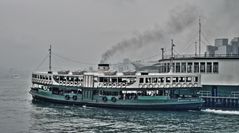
x=83 y=30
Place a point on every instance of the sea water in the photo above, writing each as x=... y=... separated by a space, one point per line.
x=18 y=114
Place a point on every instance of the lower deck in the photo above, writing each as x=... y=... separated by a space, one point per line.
x=157 y=99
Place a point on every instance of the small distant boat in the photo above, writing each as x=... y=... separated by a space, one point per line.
x=15 y=76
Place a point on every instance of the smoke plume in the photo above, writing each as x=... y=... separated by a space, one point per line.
x=177 y=23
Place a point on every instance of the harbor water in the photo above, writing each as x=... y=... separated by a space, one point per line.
x=18 y=114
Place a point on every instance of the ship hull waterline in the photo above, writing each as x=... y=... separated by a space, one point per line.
x=153 y=106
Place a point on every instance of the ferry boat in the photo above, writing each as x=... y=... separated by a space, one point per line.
x=122 y=90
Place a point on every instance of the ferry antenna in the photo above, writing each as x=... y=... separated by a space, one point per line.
x=50 y=60
x=162 y=49
x=172 y=56
x=195 y=48
x=199 y=36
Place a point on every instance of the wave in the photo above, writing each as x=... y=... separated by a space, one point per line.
x=227 y=112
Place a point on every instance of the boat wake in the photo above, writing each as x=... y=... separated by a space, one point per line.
x=227 y=112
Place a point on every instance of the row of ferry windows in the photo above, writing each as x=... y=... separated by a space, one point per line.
x=190 y=67
x=168 y=79
x=41 y=77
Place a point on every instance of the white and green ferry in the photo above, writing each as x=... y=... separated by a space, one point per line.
x=123 y=90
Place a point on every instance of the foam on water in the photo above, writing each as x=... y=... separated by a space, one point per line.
x=227 y=112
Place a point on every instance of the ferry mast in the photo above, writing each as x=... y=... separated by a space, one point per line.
x=172 y=56
x=50 y=60
x=199 y=36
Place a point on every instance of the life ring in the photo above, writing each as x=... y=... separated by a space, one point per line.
x=167 y=85
x=75 y=83
x=123 y=85
x=114 y=85
x=104 y=99
x=60 y=82
x=184 y=84
x=119 y=85
x=113 y=99
x=156 y=86
x=71 y=83
x=104 y=85
x=67 y=97
x=140 y=86
x=145 y=86
x=195 y=85
x=179 y=85
x=99 y=85
x=109 y=85
x=150 y=86
x=74 y=97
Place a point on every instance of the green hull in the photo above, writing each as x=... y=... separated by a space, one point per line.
x=144 y=103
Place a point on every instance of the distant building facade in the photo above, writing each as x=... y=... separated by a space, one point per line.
x=223 y=47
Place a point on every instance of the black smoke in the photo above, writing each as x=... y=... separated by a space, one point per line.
x=180 y=19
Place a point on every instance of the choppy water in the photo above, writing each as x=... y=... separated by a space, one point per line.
x=19 y=114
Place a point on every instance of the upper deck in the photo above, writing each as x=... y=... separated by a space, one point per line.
x=200 y=57
x=104 y=79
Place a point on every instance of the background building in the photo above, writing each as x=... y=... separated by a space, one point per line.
x=222 y=47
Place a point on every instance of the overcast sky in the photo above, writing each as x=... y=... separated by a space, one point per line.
x=84 y=30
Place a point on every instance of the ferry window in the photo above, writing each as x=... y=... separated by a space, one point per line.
x=189 y=68
x=188 y=79
x=202 y=67
x=154 y=80
x=105 y=79
x=160 y=68
x=164 y=67
x=183 y=68
x=181 y=79
x=196 y=67
x=148 y=80
x=195 y=79
x=114 y=80
x=101 y=79
x=173 y=67
x=175 y=79
x=168 y=79
x=215 y=67
x=161 y=79
x=209 y=67
x=141 y=80
x=177 y=67
x=168 y=67
x=76 y=79
x=119 y=79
